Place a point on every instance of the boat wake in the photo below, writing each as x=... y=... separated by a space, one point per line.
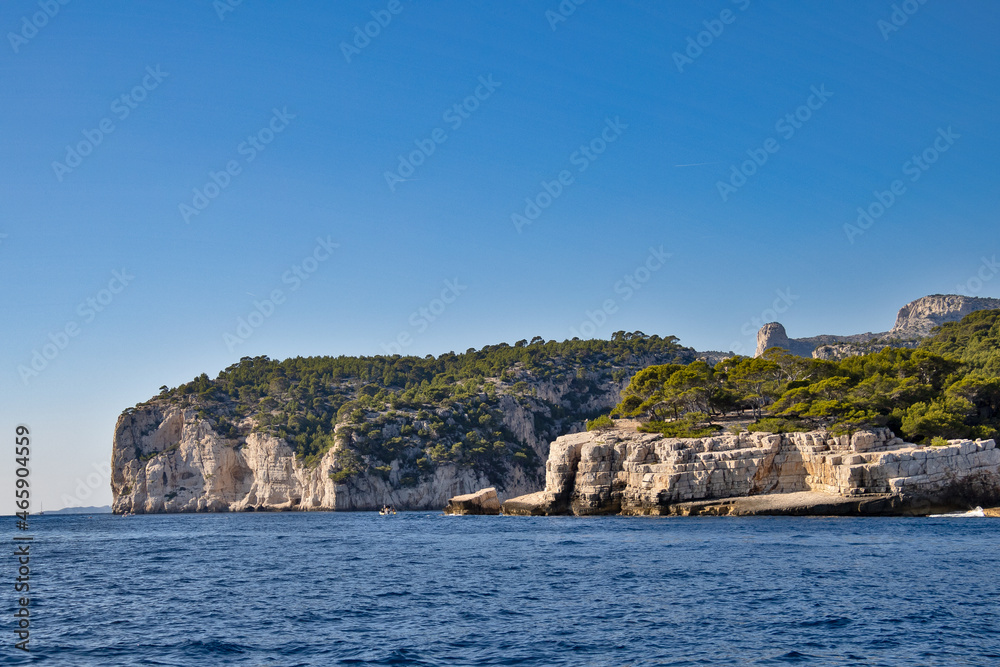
x=961 y=515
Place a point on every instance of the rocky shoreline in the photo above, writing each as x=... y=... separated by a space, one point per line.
x=170 y=462
x=871 y=473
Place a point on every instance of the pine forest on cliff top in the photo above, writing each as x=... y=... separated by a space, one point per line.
x=427 y=411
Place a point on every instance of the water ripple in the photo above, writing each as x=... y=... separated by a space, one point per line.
x=355 y=589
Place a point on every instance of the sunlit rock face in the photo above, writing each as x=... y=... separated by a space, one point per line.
x=917 y=318
x=628 y=472
x=914 y=321
x=169 y=460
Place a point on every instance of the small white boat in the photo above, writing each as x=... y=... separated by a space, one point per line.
x=386 y=510
x=961 y=515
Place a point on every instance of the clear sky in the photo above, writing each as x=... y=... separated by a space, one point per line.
x=168 y=167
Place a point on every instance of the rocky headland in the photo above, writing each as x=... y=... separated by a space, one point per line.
x=623 y=471
x=173 y=461
x=274 y=436
x=914 y=321
x=358 y=433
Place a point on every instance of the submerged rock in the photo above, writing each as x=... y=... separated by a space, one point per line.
x=484 y=501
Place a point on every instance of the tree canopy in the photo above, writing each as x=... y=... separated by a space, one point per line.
x=948 y=387
x=421 y=411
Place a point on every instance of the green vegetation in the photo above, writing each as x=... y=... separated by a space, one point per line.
x=348 y=465
x=602 y=423
x=420 y=412
x=691 y=425
x=777 y=425
x=948 y=387
x=405 y=416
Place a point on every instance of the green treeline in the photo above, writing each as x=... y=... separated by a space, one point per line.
x=404 y=416
x=949 y=387
x=414 y=412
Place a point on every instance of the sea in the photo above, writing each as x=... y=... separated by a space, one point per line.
x=420 y=588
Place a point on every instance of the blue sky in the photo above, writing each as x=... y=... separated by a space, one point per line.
x=642 y=108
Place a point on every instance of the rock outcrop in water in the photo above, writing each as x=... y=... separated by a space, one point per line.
x=628 y=472
x=484 y=501
x=914 y=321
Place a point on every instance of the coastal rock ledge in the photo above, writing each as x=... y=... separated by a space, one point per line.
x=484 y=501
x=622 y=471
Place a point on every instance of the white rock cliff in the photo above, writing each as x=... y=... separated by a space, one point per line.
x=171 y=461
x=625 y=471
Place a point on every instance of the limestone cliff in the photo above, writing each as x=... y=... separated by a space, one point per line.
x=359 y=433
x=169 y=460
x=773 y=334
x=915 y=320
x=628 y=472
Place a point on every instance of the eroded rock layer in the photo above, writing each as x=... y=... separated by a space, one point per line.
x=627 y=472
x=484 y=501
x=169 y=460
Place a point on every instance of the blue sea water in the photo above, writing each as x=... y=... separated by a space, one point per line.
x=424 y=589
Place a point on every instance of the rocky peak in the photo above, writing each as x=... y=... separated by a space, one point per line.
x=917 y=318
x=773 y=334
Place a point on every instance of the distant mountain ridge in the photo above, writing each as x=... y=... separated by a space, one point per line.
x=919 y=317
x=102 y=509
x=914 y=321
